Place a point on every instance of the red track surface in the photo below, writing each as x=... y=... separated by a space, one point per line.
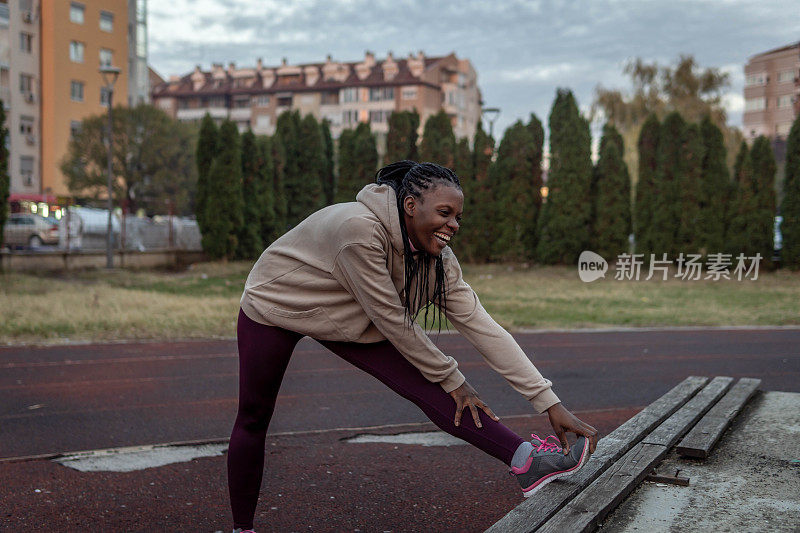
x=59 y=399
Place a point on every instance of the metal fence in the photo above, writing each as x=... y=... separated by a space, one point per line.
x=84 y=228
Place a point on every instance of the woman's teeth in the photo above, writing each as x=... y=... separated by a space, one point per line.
x=443 y=237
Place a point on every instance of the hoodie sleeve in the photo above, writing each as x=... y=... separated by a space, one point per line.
x=361 y=269
x=497 y=346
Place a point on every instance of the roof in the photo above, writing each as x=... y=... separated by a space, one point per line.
x=255 y=84
x=776 y=50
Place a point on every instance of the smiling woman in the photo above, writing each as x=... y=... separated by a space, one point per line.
x=354 y=276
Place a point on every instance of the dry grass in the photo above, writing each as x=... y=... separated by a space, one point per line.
x=203 y=302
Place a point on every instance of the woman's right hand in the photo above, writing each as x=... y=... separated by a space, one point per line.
x=466 y=396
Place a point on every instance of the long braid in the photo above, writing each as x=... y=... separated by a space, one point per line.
x=412 y=178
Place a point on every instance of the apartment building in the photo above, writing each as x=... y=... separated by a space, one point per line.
x=50 y=53
x=20 y=91
x=345 y=93
x=772 y=92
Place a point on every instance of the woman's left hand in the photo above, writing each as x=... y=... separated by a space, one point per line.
x=466 y=396
x=563 y=421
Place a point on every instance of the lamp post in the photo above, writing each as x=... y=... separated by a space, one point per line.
x=491 y=114
x=110 y=75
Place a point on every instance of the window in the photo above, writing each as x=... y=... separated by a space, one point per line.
x=377 y=94
x=26 y=125
x=76 y=13
x=26 y=169
x=755 y=104
x=350 y=94
x=76 y=51
x=330 y=98
x=284 y=101
x=379 y=116
x=241 y=101
x=409 y=93
x=349 y=117
x=74 y=128
x=104 y=94
x=262 y=100
x=76 y=91
x=106 y=21
x=26 y=83
x=786 y=75
x=26 y=42
x=785 y=101
x=106 y=57
x=756 y=79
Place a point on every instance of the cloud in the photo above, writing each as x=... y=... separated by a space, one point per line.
x=521 y=50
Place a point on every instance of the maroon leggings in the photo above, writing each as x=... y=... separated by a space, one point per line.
x=264 y=353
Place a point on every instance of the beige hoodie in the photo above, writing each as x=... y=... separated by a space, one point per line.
x=338 y=276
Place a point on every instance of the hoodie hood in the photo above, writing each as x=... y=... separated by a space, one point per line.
x=382 y=200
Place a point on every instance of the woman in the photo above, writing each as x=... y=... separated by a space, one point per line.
x=353 y=276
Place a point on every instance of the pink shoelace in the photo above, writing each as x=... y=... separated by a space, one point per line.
x=545 y=445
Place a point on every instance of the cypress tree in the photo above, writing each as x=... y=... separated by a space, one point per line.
x=346 y=184
x=669 y=176
x=463 y=161
x=762 y=219
x=688 y=238
x=438 y=140
x=742 y=205
x=463 y=168
x=714 y=189
x=266 y=178
x=358 y=161
x=329 y=176
x=250 y=244
x=612 y=199
x=565 y=216
x=204 y=155
x=790 y=207
x=278 y=190
x=287 y=129
x=5 y=181
x=519 y=195
x=475 y=235
x=646 y=188
x=308 y=194
x=536 y=130
x=224 y=207
x=401 y=141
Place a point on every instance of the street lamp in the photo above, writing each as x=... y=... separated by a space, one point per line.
x=491 y=114
x=110 y=75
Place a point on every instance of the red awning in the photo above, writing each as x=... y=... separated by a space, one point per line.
x=45 y=198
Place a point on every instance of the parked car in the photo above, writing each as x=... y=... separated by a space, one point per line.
x=27 y=229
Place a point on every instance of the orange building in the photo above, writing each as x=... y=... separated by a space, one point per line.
x=77 y=37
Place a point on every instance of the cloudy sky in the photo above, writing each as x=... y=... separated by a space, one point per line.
x=522 y=50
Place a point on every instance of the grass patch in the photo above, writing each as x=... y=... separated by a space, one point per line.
x=203 y=301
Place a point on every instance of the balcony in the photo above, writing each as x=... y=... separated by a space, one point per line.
x=198 y=113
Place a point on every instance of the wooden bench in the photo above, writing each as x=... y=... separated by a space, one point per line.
x=630 y=453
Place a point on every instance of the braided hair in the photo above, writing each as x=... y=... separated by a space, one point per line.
x=409 y=178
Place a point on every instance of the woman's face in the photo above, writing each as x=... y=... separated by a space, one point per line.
x=433 y=219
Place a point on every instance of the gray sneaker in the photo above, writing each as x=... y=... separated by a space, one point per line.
x=548 y=462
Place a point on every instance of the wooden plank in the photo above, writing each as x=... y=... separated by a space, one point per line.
x=593 y=504
x=705 y=435
x=534 y=511
x=588 y=508
x=669 y=432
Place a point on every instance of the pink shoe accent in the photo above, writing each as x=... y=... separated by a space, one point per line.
x=530 y=490
x=544 y=446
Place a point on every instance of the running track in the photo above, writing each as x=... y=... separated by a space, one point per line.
x=82 y=397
